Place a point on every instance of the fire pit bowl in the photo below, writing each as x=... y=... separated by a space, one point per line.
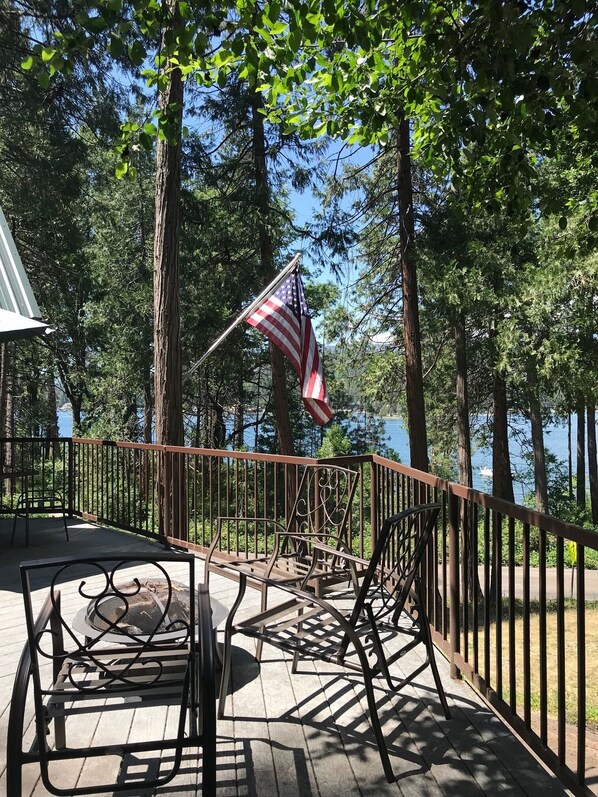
x=143 y=608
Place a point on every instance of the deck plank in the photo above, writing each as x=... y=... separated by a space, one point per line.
x=293 y=764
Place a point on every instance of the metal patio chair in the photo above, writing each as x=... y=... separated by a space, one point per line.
x=320 y=513
x=137 y=641
x=354 y=628
x=38 y=502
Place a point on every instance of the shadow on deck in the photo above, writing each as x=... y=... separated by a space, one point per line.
x=305 y=734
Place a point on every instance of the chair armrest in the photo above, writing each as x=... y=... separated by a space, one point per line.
x=206 y=675
x=320 y=546
x=342 y=549
x=310 y=535
x=245 y=519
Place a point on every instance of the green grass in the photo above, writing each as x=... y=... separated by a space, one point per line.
x=571 y=654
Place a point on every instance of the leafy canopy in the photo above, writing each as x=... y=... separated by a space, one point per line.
x=490 y=88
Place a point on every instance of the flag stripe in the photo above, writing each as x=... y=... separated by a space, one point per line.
x=283 y=317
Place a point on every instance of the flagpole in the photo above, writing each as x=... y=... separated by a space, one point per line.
x=246 y=312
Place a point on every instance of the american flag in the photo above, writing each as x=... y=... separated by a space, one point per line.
x=284 y=319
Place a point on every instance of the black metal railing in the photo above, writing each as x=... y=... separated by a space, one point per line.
x=33 y=464
x=505 y=586
x=507 y=600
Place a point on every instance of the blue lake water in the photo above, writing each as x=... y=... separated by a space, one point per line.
x=555 y=440
x=65 y=423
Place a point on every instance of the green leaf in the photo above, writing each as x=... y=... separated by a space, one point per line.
x=121 y=169
x=185 y=10
x=563 y=223
x=137 y=53
x=95 y=24
x=150 y=129
x=27 y=63
x=115 y=46
x=43 y=78
x=295 y=40
x=223 y=57
x=47 y=54
x=146 y=141
x=237 y=46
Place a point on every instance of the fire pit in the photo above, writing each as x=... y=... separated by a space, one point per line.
x=137 y=610
x=148 y=607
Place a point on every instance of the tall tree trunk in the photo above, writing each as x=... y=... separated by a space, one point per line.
x=592 y=461
x=281 y=402
x=535 y=415
x=240 y=417
x=147 y=331
x=502 y=478
x=72 y=385
x=463 y=428
x=5 y=364
x=4 y=369
x=130 y=421
x=9 y=418
x=472 y=587
x=76 y=405
x=416 y=412
x=257 y=409
x=52 y=407
x=569 y=456
x=33 y=425
x=52 y=430
x=9 y=412
x=147 y=403
x=262 y=195
x=581 y=452
x=167 y=328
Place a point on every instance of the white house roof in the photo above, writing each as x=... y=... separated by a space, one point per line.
x=19 y=312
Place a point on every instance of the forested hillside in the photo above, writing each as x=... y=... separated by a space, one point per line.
x=151 y=160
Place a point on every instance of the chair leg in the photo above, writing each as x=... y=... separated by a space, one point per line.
x=228 y=633
x=208 y=766
x=427 y=640
x=421 y=636
x=60 y=733
x=295 y=664
x=225 y=675
x=14 y=529
x=14 y=776
x=374 y=718
x=381 y=663
x=259 y=645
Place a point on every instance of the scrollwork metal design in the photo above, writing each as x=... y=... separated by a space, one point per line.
x=87 y=665
x=324 y=504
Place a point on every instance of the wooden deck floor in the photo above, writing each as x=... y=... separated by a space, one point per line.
x=304 y=734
